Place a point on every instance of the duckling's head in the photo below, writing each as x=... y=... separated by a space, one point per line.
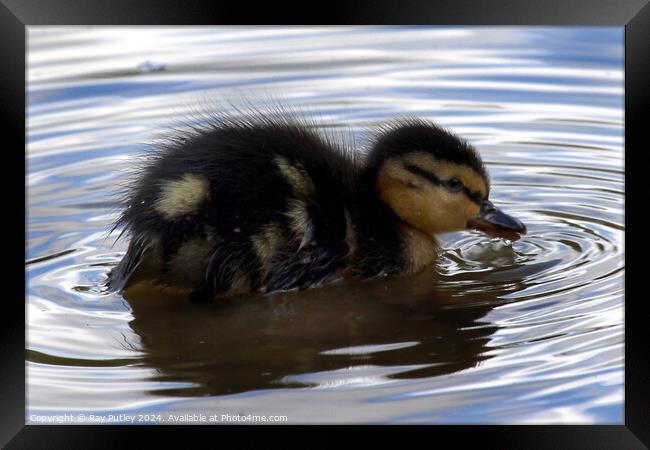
x=434 y=181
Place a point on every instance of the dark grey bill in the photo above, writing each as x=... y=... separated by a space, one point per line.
x=493 y=221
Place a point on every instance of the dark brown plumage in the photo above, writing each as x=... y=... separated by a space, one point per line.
x=258 y=204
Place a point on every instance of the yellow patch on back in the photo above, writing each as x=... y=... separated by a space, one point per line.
x=296 y=175
x=298 y=216
x=184 y=196
x=266 y=244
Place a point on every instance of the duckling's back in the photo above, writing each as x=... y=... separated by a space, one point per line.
x=238 y=207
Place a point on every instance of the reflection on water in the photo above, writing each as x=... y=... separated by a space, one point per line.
x=497 y=332
x=260 y=343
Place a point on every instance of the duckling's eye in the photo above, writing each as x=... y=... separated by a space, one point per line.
x=454 y=184
x=412 y=184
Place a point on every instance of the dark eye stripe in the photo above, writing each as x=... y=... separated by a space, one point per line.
x=424 y=174
x=475 y=197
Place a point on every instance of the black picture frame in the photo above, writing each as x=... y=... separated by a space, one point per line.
x=16 y=15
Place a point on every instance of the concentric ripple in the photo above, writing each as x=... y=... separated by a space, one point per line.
x=525 y=331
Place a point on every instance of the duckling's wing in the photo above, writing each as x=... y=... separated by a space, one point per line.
x=299 y=268
x=120 y=274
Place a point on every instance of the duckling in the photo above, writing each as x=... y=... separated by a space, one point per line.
x=262 y=204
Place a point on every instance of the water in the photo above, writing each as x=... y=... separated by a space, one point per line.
x=529 y=331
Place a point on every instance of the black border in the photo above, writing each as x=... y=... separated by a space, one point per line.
x=15 y=15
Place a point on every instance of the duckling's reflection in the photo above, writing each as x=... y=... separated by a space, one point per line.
x=254 y=343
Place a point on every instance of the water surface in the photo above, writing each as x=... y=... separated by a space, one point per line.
x=529 y=331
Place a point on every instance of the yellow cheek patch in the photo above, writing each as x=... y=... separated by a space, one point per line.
x=184 y=196
x=392 y=188
x=471 y=208
x=429 y=207
x=449 y=210
x=296 y=176
x=413 y=206
x=446 y=170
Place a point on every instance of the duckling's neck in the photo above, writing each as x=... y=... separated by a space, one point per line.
x=384 y=243
x=420 y=249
